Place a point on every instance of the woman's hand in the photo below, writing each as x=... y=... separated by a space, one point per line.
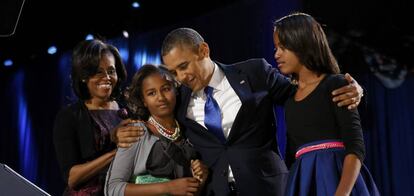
x=125 y=134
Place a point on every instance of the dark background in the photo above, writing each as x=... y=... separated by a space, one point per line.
x=372 y=40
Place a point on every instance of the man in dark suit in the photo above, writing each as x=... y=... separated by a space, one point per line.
x=243 y=157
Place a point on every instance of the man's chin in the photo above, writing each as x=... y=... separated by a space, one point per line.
x=194 y=86
x=197 y=87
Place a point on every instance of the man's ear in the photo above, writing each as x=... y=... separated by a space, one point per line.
x=204 y=50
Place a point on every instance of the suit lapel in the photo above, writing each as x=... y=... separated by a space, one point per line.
x=240 y=84
x=241 y=87
x=191 y=124
x=185 y=96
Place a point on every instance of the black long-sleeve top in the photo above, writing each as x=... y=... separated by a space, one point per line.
x=80 y=136
x=317 y=117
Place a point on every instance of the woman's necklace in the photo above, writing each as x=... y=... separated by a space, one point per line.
x=169 y=134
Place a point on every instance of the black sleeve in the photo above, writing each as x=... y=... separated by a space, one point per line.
x=65 y=141
x=279 y=86
x=349 y=123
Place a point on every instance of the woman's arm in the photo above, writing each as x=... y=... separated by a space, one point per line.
x=350 y=172
x=351 y=133
x=82 y=172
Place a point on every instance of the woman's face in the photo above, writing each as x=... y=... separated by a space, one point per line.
x=101 y=84
x=286 y=59
x=158 y=96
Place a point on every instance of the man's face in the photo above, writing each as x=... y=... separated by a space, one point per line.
x=191 y=68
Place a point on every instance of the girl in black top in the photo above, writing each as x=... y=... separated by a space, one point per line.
x=325 y=140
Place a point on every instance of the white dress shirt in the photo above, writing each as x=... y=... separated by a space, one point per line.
x=226 y=98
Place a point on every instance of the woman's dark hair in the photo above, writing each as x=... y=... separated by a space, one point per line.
x=134 y=93
x=303 y=35
x=85 y=63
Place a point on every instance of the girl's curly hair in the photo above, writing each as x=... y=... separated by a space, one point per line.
x=134 y=94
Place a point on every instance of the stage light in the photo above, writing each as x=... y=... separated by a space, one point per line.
x=8 y=63
x=135 y=4
x=125 y=34
x=89 y=37
x=52 y=50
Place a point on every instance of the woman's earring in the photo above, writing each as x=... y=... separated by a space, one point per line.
x=83 y=80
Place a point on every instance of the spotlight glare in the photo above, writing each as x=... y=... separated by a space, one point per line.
x=8 y=62
x=89 y=37
x=135 y=4
x=125 y=34
x=52 y=50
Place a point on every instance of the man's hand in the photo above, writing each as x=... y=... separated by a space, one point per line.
x=125 y=134
x=349 y=95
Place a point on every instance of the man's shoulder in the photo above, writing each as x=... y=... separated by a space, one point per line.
x=248 y=66
x=249 y=62
x=253 y=67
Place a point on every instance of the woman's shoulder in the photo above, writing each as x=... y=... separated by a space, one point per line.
x=334 y=81
x=67 y=110
x=71 y=113
x=72 y=107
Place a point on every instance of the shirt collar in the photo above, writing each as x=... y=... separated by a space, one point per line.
x=217 y=78
x=215 y=81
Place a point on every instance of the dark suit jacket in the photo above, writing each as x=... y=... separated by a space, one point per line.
x=251 y=149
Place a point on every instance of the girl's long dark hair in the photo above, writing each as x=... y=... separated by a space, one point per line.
x=303 y=35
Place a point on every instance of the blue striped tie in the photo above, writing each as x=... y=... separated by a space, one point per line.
x=212 y=117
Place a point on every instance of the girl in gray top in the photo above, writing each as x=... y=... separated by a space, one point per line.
x=161 y=162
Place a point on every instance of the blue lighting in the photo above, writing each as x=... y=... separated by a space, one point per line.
x=124 y=54
x=52 y=50
x=143 y=57
x=8 y=62
x=26 y=144
x=135 y=4
x=89 y=37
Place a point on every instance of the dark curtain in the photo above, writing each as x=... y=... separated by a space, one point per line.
x=237 y=32
x=388 y=121
x=34 y=91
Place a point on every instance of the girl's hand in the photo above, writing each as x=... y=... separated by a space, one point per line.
x=200 y=171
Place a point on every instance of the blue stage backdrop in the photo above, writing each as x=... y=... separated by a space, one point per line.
x=32 y=94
